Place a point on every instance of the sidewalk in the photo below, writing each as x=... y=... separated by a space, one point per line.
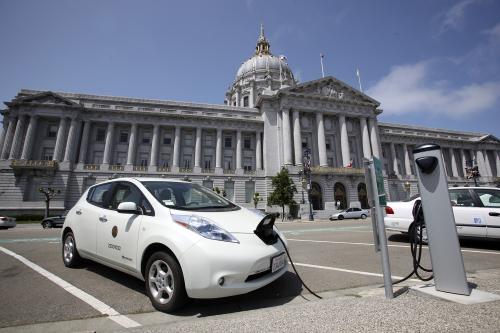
x=360 y=310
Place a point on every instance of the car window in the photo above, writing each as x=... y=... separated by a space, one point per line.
x=187 y=196
x=489 y=198
x=349 y=210
x=357 y=209
x=461 y=198
x=128 y=192
x=101 y=194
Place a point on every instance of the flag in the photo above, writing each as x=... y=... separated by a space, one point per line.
x=357 y=72
x=321 y=55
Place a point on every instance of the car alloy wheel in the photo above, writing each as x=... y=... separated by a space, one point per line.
x=71 y=258
x=164 y=282
x=46 y=224
x=363 y=216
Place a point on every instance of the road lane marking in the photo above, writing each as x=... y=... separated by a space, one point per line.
x=371 y=244
x=330 y=229
x=24 y=240
x=101 y=307
x=352 y=271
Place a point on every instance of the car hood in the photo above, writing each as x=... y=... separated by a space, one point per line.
x=236 y=221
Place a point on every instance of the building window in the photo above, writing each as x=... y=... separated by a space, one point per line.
x=48 y=154
x=228 y=142
x=121 y=158
x=188 y=140
x=208 y=162
x=227 y=162
x=52 y=131
x=167 y=140
x=247 y=143
x=97 y=157
x=144 y=162
x=330 y=161
x=247 y=164
x=101 y=135
x=209 y=140
x=249 y=191
x=304 y=142
x=187 y=161
x=245 y=101
x=123 y=136
x=328 y=143
x=146 y=137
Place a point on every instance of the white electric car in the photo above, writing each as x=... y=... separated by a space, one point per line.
x=182 y=239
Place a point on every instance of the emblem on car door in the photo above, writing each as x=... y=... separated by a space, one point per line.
x=114 y=231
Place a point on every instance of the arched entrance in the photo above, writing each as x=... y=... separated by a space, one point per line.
x=316 y=196
x=340 y=195
x=363 y=196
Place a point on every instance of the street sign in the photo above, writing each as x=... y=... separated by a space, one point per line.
x=379 y=176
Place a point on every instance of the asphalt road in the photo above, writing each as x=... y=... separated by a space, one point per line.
x=331 y=257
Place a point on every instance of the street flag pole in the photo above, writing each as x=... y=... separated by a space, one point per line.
x=321 y=55
x=359 y=79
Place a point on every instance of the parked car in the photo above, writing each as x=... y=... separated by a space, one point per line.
x=350 y=213
x=7 y=222
x=476 y=211
x=182 y=239
x=53 y=221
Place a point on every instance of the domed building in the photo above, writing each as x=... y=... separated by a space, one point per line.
x=70 y=141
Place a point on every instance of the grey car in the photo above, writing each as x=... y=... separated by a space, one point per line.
x=7 y=222
x=53 y=221
x=351 y=213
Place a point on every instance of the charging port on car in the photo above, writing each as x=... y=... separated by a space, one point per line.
x=265 y=230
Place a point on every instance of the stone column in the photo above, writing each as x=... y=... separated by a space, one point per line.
x=154 y=146
x=30 y=136
x=238 y=149
x=407 y=159
x=344 y=141
x=16 y=142
x=372 y=122
x=463 y=161
x=82 y=158
x=287 y=138
x=454 y=168
x=8 y=138
x=177 y=146
x=218 y=150
x=480 y=163
x=251 y=102
x=70 y=142
x=58 y=149
x=258 y=151
x=323 y=162
x=487 y=164
x=394 y=159
x=497 y=161
x=3 y=131
x=197 y=149
x=367 y=152
x=108 y=147
x=237 y=97
x=297 y=138
x=132 y=142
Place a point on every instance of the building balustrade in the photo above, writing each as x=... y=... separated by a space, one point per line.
x=92 y=167
x=186 y=170
x=116 y=167
x=163 y=169
x=337 y=171
x=207 y=170
x=140 y=168
x=33 y=164
x=228 y=171
x=249 y=172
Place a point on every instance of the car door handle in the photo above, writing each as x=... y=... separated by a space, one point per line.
x=494 y=214
x=103 y=219
x=79 y=212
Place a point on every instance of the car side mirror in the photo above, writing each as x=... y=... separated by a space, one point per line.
x=129 y=208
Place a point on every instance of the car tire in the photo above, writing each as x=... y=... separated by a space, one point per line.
x=46 y=224
x=363 y=216
x=70 y=255
x=4 y=228
x=425 y=240
x=164 y=282
x=341 y=217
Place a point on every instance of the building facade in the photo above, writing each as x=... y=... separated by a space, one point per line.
x=69 y=141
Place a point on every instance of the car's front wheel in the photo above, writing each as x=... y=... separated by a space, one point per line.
x=71 y=258
x=46 y=224
x=341 y=217
x=363 y=216
x=165 y=282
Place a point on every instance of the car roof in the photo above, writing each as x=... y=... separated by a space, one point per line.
x=142 y=179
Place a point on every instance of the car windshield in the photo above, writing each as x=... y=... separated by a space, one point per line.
x=187 y=196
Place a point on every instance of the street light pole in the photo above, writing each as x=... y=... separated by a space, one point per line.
x=307 y=173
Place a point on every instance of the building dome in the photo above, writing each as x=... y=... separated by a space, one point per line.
x=263 y=71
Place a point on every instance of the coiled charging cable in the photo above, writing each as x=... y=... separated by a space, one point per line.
x=295 y=270
x=415 y=232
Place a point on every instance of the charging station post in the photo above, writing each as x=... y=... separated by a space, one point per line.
x=376 y=194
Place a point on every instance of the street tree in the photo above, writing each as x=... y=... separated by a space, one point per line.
x=283 y=190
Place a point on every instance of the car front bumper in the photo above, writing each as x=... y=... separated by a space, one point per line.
x=245 y=266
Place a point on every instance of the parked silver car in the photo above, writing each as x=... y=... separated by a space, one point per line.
x=351 y=213
x=7 y=222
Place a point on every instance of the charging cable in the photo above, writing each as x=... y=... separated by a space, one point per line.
x=416 y=234
x=295 y=270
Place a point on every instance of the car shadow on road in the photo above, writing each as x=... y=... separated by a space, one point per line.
x=279 y=292
x=465 y=243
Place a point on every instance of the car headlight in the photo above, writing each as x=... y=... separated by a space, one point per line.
x=204 y=227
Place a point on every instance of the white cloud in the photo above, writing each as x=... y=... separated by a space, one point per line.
x=453 y=19
x=408 y=89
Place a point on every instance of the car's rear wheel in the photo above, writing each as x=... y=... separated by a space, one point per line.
x=165 y=282
x=341 y=217
x=46 y=224
x=363 y=216
x=71 y=258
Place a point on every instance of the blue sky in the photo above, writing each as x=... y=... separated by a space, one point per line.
x=430 y=63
